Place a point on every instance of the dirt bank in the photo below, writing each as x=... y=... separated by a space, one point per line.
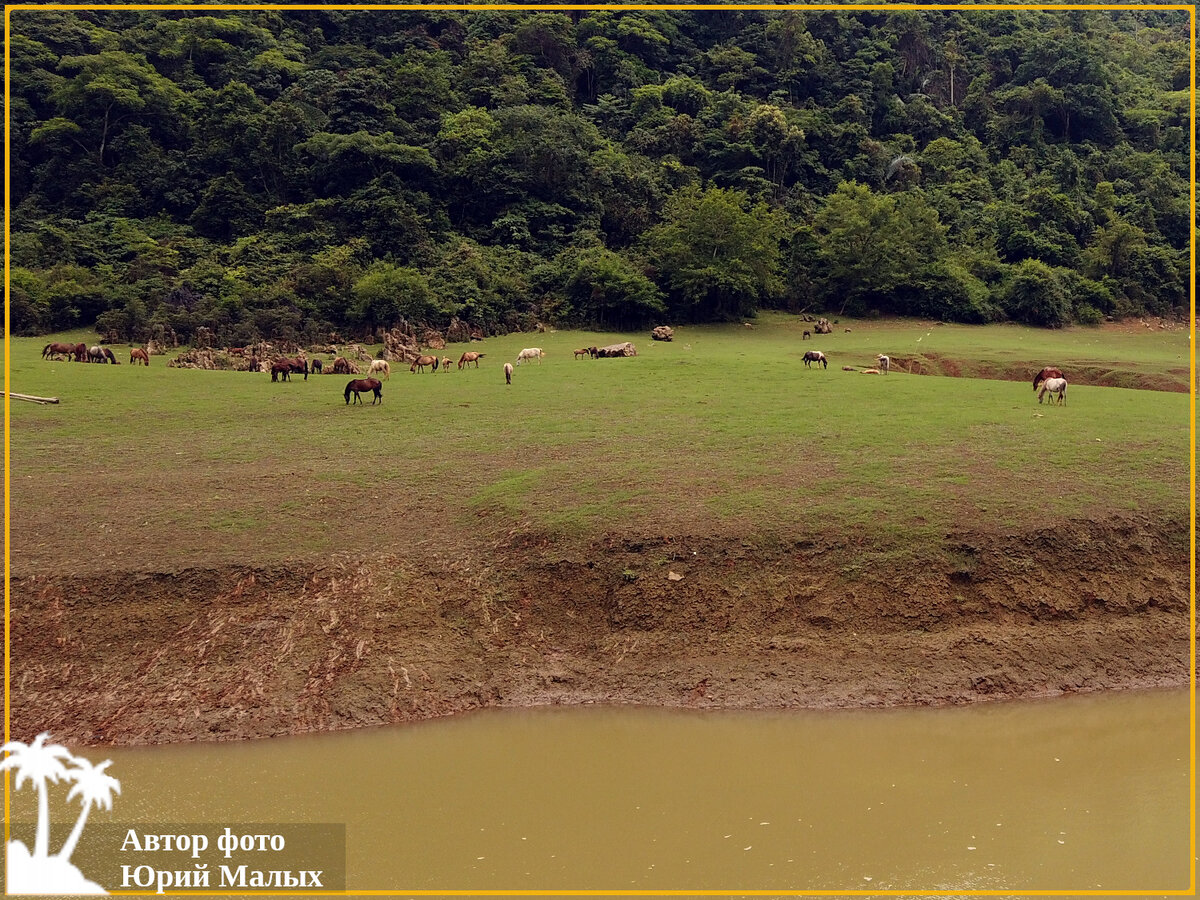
x=1177 y=380
x=221 y=654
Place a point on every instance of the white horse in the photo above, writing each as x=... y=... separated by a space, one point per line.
x=380 y=366
x=885 y=363
x=508 y=370
x=531 y=353
x=1054 y=386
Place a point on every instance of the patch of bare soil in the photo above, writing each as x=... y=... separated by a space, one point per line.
x=233 y=653
x=1175 y=380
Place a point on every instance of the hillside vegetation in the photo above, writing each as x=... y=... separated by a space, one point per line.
x=287 y=174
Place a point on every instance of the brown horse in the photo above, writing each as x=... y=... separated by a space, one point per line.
x=1048 y=372
x=108 y=354
x=281 y=367
x=136 y=354
x=446 y=363
x=296 y=365
x=81 y=352
x=317 y=366
x=360 y=385
x=582 y=353
x=341 y=366
x=470 y=357
x=56 y=349
x=422 y=361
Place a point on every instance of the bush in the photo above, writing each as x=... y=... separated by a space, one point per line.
x=1034 y=295
x=947 y=292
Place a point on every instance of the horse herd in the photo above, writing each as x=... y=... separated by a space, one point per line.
x=94 y=354
x=1050 y=378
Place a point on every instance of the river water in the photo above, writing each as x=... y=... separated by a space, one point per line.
x=1077 y=793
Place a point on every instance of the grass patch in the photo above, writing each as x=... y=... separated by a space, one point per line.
x=723 y=432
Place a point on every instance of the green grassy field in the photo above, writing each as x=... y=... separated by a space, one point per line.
x=722 y=432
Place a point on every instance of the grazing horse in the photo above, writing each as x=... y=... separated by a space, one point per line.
x=95 y=354
x=341 y=366
x=316 y=366
x=508 y=370
x=55 y=349
x=136 y=354
x=446 y=363
x=108 y=354
x=815 y=356
x=470 y=357
x=1054 y=386
x=422 y=361
x=380 y=365
x=806 y=336
x=531 y=353
x=1048 y=372
x=81 y=352
x=885 y=363
x=296 y=365
x=360 y=385
x=281 y=367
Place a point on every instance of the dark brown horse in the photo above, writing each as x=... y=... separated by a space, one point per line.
x=136 y=354
x=281 y=367
x=1048 y=372
x=81 y=352
x=295 y=364
x=108 y=354
x=422 y=361
x=361 y=385
x=317 y=366
x=470 y=357
x=55 y=349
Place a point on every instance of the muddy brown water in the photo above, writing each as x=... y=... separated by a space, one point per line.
x=1087 y=793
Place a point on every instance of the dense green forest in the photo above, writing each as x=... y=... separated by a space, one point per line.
x=291 y=174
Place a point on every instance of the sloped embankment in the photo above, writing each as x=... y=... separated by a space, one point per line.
x=251 y=652
x=1175 y=380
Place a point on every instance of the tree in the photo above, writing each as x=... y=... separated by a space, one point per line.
x=387 y=293
x=1034 y=295
x=717 y=254
x=870 y=243
x=107 y=90
x=607 y=290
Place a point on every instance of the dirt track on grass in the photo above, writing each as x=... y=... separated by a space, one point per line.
x=243 y=652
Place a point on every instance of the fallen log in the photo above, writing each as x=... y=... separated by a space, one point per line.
x=31 y=398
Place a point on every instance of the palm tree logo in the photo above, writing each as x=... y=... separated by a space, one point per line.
x=43 y=764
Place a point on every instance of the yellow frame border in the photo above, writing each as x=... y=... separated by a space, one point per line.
x=803 y=7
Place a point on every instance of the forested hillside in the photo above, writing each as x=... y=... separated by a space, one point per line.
x=290 y=174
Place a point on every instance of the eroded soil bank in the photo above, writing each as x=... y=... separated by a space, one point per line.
x=232 y=653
